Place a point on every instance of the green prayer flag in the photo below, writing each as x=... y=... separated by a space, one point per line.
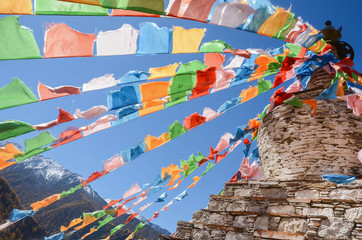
x=273 y=68
x=221 y=192
x=213 y=46
x=149 y=6
x=139 y=226
x=181 y=83
x=71 y=191
x=41 y=140
x=105 y=221
x=178 y=98
x=209 y=166
x=190 y=170
x=15 y=93
x=55 y=7
x=263 y=85
x=13 y=128
x=96 y=214
x=117 y=228
x=16 y=41
x=191 y=67
x=285 y=31
x=262 y=115
x=295 y=50
x=296 y=102
x=176 y=129
x=23 y=156
x=183 y=163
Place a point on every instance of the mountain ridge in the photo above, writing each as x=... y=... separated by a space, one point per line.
x=39 y=177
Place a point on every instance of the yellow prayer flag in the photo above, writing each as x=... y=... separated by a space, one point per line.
x=16 y=7
x=187 y=40
x=162 y=72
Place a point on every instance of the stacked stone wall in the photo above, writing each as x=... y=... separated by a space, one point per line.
x=279 y=210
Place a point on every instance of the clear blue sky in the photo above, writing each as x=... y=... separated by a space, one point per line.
x=86 y=155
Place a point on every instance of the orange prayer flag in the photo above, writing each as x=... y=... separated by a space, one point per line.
x=151 y=107
x=249 y=93
x=87 y=220
x=49 y=200
x=92 y=230
x=71 y=224
x=162 y=72
x=16 y=7
x=263 y=62
x=175 y=176
x=340 y=90
x=154 y=90
x=313 y=104
x=196 y=179
x=154 y=142
x=169 y=170
x=318 y=46
x=254 y=123
x=4 y=165
x=176 y=185
x=8 y=152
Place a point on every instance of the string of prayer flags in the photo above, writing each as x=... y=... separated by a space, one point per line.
x=16 y=41
x=172 y=169
x=255 y=16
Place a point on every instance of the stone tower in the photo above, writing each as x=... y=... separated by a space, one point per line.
x=293 y=201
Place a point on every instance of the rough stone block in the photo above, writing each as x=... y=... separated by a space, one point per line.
x=350 y=194
x=282 y=209
x=278 y=235
x=335 y=228
x=317 y=212
x=241 y=222
x=238 y=236
x=354 y=214
x=307 y=194
x=293 y=225
x=217 y=219
x=261 y=223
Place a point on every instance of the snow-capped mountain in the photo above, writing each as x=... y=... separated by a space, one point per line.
x=39 y=177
